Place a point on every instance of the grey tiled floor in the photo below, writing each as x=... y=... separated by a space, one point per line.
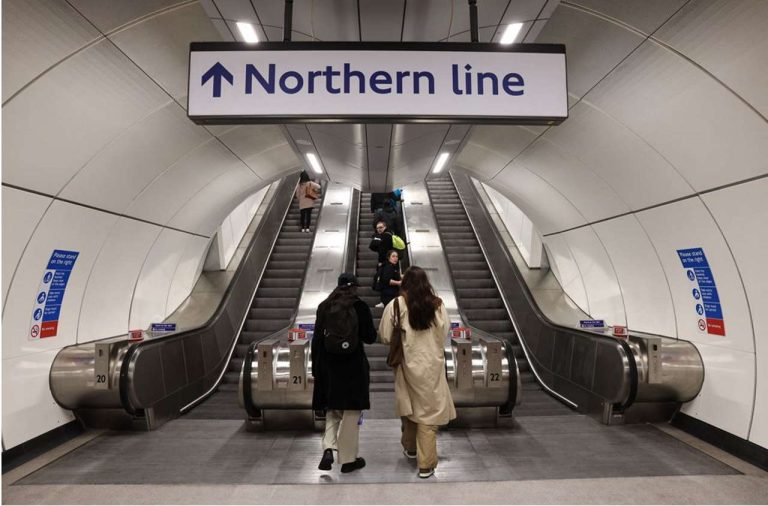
x=189 y=451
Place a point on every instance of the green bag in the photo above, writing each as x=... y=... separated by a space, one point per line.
x=398 y=242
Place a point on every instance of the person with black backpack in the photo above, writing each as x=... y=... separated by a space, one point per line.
x=341 y=371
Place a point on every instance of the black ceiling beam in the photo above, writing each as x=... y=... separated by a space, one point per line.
x=288 y=20
x=473 y=20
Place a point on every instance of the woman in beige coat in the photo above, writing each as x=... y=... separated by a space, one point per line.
x=422 y=398
x=306 y=188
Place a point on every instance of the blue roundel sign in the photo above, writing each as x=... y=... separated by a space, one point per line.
x=691 y=275
x=696 y=294
x=41 y=297
x=700 y=309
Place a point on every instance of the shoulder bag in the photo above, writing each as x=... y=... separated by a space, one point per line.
x=395 y=356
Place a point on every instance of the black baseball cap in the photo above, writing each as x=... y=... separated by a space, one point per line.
x=347 y=279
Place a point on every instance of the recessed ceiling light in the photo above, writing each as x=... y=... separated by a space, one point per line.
x=440 y=163
x=315 y=163
x=510 y=33
x=247 y=31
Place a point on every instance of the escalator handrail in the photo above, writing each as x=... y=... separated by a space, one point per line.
x=631 y=360
x=519 y=334
x=253 y=296
x=353 y=229
x=126 y=376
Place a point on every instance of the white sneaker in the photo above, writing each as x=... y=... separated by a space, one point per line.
x=426 y=473
x=380 y=304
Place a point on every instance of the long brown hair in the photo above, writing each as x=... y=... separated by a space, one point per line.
x=420 y=298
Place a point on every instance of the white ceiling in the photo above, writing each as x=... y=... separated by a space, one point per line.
x=667 y=99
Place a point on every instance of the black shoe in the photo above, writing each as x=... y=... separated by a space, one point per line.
x=359 y=463
x=326 y=461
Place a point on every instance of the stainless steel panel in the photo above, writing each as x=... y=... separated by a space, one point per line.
x=274 y=383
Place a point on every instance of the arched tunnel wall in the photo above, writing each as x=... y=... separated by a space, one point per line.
x=99 y=158
x=665 y=148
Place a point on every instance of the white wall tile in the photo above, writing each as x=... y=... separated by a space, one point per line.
x=65 y=227
x=119 y=172
x=204 y=212
x=490 y=147
x=734 y=47
x=528 y=191
x=72 y=112
x=587 y=192
x=742 y=213
x=107 y=299
x=725 y=400
x=27 y=54
x=589 y=61
x=600 y=284
x=22 y=212
x=187 y=271
x=109 y=15
x=154 y=281
x=643 y=284
x=695 y=123
x=264 y=148
x=160 y=45
x=566 y=270
x=172 y=189
x=28 y=406
x=601 y=144
x=645 y=16
x=688 y=224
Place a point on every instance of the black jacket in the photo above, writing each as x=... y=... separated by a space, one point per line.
x=341 y=381
x=385 y=246
x=388 y=273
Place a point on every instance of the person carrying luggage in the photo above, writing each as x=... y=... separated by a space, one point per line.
x=341 y=371
x=422 y=398
x=307 y=192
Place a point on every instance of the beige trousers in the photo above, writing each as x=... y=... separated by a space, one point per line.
x=423 y=440
x=341 y=433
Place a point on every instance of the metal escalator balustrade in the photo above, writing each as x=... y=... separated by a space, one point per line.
x=149 y=382
x=277 y=297
x=477 y=294
x=644 y=378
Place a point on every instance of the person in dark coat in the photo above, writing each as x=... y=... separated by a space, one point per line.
x=385 y=243
x=342 y=381
x=390 y=278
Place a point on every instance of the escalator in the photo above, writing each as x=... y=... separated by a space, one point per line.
x=273 y=309
x=382 y=379
x=477 y=295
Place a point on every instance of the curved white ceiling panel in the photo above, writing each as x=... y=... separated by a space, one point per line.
x=489 y=148
x=414 y=148
x=170 y=191
x=26 y=54
x=587 y=192
x=593 y=45
x=119 y=172
x=204 y=212
x=63 y=119
x=160 y=45
x=263 y=148
x=431 y=21
x=728 y=39
x=602 y=144
x=547 y=208
x=695 y=123
x=645 y=16
x=110 y=15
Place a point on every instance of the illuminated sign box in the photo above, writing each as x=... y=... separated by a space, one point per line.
x=233 y=82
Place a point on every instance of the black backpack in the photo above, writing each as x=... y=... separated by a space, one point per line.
x=340 y=331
